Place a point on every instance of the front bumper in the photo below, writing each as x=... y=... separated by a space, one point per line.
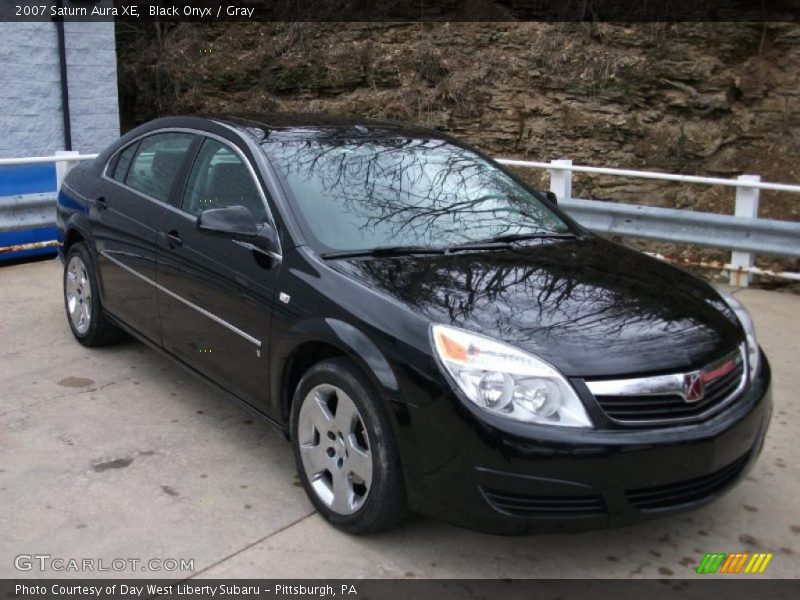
x=495 y=475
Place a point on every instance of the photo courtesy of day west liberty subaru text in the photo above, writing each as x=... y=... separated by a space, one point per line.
x=195 y=589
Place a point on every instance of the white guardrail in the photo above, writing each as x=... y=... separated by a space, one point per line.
x=743 y=233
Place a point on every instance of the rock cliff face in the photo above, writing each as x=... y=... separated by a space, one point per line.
x=713 y=98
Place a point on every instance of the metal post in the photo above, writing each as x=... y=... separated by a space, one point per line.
x=746 y=206
x=561 y=179
x=63 y=166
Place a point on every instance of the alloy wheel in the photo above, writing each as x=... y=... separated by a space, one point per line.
x=335 y=449
x=78 y=291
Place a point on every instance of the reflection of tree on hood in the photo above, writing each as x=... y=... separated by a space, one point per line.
x=544 y=290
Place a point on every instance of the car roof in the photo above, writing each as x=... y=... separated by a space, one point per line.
x=295 y=126
x=285 y=126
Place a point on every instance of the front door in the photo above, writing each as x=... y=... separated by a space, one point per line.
x=216 y=294
x=124 y=217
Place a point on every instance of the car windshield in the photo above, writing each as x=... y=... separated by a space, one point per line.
x=354 y=195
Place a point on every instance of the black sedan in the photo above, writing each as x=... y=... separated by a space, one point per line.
x=429 y=332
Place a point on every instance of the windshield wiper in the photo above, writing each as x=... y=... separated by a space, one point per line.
x=499 y=241
x=517 y=237
x=502 y=241
x=384 y=251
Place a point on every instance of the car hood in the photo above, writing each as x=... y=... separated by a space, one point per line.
x=590 y=307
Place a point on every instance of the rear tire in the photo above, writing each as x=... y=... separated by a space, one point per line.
x=345 y=449
x=85 y=316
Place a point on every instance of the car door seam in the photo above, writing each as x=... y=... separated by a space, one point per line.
x=188 y=303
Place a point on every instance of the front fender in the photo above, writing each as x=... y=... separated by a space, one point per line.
x=367 y=355
x=346 y=338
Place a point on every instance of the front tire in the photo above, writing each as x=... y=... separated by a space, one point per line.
x=82 y=301
x=345 y=450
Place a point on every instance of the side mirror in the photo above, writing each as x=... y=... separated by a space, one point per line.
x=232 y=221
x=551 y=196
x=238 y=223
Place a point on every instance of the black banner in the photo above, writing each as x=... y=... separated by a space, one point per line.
x=731 y=588
x=402 y=10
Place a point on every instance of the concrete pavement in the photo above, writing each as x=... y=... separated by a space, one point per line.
x=117 y=454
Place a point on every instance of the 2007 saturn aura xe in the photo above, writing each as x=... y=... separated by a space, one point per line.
x=429 y=332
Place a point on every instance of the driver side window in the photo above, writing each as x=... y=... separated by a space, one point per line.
x=219 y=179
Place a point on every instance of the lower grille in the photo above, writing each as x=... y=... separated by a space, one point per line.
x=685 y=492
x=545 y=506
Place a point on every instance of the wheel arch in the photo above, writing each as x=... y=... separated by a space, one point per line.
x=76 y=230
x=72 y=236
x=312 y=341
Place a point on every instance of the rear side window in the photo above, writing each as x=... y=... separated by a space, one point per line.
x=124 y=162
x=156 y=165
x=219 y=178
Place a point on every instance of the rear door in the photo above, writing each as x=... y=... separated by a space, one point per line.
x=135 y=192
x=216 y=294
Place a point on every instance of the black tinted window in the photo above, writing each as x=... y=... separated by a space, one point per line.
x=124 y=161
x=157 y=163
x=219 y=178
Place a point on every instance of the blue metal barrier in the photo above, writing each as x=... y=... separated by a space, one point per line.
x=22 y=191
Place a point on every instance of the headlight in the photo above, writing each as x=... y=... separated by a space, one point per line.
x=506 y=381
x=753 y=354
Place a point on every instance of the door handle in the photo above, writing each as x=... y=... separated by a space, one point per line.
x=174 y=239
x=100 y=202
